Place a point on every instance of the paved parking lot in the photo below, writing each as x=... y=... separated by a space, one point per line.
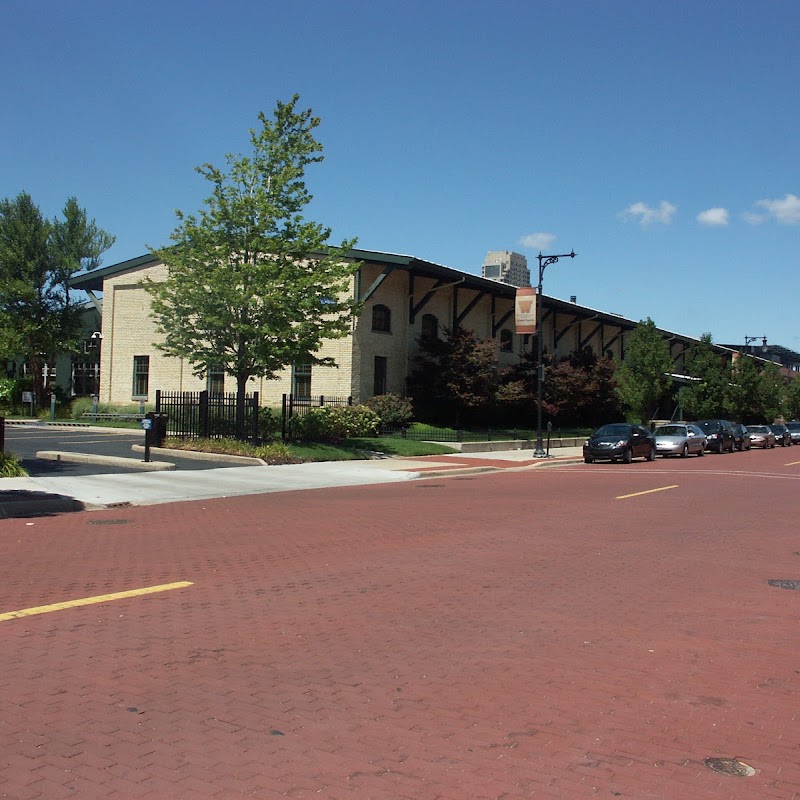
x=26 y=440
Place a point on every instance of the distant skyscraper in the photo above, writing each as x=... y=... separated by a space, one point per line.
x=507 y=267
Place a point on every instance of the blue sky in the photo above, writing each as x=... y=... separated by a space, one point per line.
x=659 y=140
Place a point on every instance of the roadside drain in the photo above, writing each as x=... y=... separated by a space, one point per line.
x=784 y=584
x=430 y=486
x=108 y=521
x=731 y=766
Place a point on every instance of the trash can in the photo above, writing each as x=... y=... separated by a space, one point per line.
x=158 y=429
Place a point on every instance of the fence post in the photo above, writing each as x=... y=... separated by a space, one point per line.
x=350 y=400
x=255 y=417
x=283 y=418
x=322 y=400
x=158 y=401
x=203 y=414
x=2 y=435
x=460 y=435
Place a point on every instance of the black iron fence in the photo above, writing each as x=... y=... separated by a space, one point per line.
x=203 y=415
x=294 y=406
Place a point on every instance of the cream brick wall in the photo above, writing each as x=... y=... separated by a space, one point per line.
x=402 y=344
x=129 y=330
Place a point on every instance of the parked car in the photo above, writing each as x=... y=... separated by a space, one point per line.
x=679 y=439
x=782 y=435
x=719 y=434
x=619 y=441
x=761 y=436
x=741 y=438
x=794 y=430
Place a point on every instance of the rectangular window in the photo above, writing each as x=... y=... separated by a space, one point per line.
x=301 y=380
x=141 y=376
x=216 y=380
x=379 y=383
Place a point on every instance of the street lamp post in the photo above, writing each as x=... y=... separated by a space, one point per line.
x=748 y=339
x=544 y=261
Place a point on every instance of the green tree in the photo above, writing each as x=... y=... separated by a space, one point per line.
x=642 y=378
x=793 y=398
x=706 y=397
x=38 y=317
x=455 y=379
x=742 y=395
x=772 y=392
x=252 y=286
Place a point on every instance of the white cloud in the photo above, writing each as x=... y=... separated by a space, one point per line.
x=785 y=211
x=713 y=217
x=645 y=215
x=752 y=218
x=538 y=241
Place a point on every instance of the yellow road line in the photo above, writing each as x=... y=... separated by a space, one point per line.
x=649 y=491
x=87 y=601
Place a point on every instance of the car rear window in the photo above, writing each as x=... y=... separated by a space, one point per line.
x=671 y=430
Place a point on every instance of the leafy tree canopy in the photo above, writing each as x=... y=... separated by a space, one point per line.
x=252 y=285
x=742 y=394
x=642 y=377
x=38 y=316
x=456 y=378
x=706 y=397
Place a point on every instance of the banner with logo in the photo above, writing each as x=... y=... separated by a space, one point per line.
x=525 y=310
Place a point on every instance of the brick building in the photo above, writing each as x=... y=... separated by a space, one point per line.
x=404 y=298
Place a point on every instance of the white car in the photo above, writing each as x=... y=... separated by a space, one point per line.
x=679 y=439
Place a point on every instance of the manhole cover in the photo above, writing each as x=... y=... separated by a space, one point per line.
x=109 y=521
x=781 y=584
x=730 y=766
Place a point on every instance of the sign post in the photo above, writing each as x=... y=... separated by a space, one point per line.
x=147 y=424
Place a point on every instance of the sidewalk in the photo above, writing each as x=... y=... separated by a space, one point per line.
x=45 y=495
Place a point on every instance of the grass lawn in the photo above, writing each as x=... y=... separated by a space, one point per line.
x=295 y=452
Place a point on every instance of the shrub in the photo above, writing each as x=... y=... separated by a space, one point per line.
x=269 y=423
x=11 y=390
x=10 y=467
x=276 y=453
x=394 y=411
x=331 y=424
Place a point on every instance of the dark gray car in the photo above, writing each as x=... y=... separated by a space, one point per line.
x=719 y=435
x=619 y=441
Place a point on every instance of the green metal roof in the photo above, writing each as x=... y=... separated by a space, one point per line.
x=93 y=281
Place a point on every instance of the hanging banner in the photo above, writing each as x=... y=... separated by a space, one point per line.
x=525 y=310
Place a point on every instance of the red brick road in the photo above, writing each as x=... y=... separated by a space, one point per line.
x=497 y=636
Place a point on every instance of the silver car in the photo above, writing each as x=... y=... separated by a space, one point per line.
x=679 y=439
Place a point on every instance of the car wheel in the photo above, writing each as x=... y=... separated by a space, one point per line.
x=701 y=451
x=651 y=456
x=627 y=456
x=685 y=451
x=587 y=459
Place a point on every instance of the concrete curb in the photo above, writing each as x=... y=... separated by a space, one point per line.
x=200 y=456
x=110 y=461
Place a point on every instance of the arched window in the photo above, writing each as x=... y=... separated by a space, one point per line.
x=381 y=319
x=506 y=340
x=430 y=327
